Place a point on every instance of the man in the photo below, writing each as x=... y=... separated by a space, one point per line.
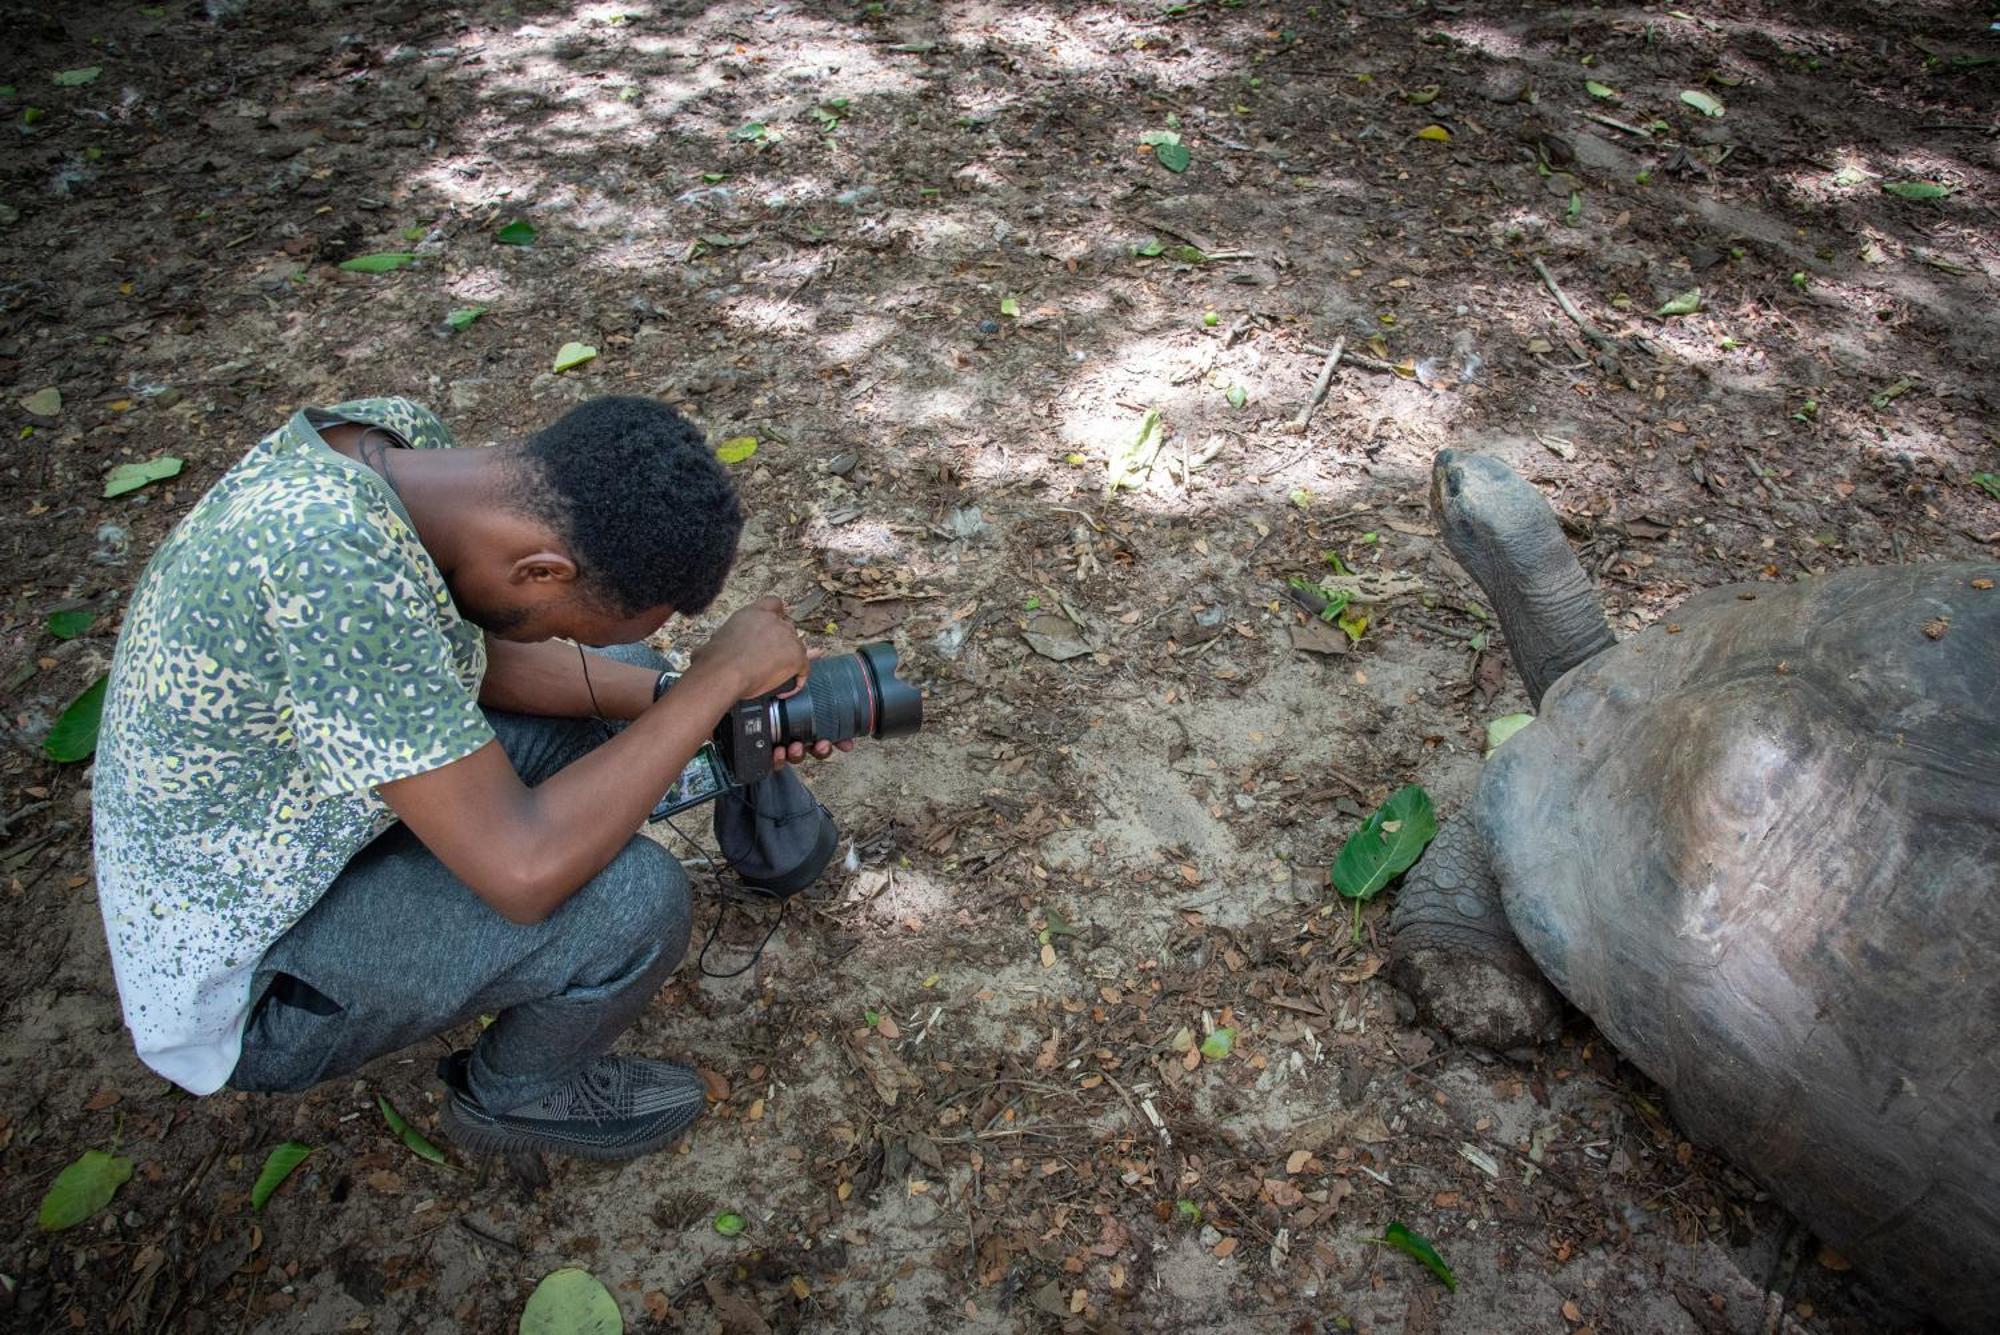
x=352 y=789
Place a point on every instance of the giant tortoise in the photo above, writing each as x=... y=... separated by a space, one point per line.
x=1758 y=843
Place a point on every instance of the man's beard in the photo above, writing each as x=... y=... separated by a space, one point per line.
x=491 y=619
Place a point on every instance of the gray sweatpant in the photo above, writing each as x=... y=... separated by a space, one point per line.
x=399 y=948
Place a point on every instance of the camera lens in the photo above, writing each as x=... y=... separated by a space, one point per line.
x=856 y=695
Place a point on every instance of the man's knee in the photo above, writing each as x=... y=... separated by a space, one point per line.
x=641 y=898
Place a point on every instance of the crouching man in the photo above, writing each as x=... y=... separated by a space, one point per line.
x=358 y=783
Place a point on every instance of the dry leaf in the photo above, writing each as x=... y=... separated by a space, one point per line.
x=1224 y=1248
x=1571 y=1312
x=1298 y=1160
x=887 y=1027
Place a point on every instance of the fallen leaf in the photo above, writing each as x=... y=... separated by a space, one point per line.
x=131 y=477
x=76 y=78
x=74 y=736
x=1224 y=1248
x=1416 y=1244
x=736 y=449
x=1702 y=102
x=519 y=232
x=572 y=355
x=1596 y=89
x=1436 y=134
x=1174 y=157
x=729 y=1224
x=463 y=317
x=1297 y=1162
x=82 y=1189
x=1916 y=189
x=1500 y=729
x=381 y=262
x=278 y=1166
x=1687 y=303
x=44 y=402
x=571 y=1302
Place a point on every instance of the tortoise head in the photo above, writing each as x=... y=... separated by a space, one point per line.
x=1505 y=535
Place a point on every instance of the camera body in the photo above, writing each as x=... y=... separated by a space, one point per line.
x=855 y=695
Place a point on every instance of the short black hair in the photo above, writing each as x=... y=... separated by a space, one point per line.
x=649 y=512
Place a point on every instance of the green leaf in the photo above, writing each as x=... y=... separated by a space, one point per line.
x=463 y=317
x=729 y=1224
x=78 y=77
x=1596 y=89
x=1187 y=1212
x=1149 y=248
x=413 y=234
x=1990 y=482
x=1156 y=138
x=411 y=1137
x=387 y=261
x=1386 y=845
x=1500 y=729
x=736 y=449
x=69 y=625
x=755 y=131
x=1702 y=102
x=1009 y=306
x=44 y=402
x=571 y=1302
x=1129 y=464
x=1435 y=134
x=1687 y=303
x=519 y=232
x=1916 y=189
x=1422 y=97
x=572 y=355
x=1219 y=1044
x=74 y=735
x=1419 y=1246
x=1237 y=396
x=32 y=115
x=1189 y=254
x=131 y=477
x=278 y=1166
x=1355 y=623
x=1174 y=157
x=82 y=1189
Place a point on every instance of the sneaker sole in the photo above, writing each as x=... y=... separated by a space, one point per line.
x=484 y=1137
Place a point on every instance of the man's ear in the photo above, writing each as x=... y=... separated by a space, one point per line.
x=543 y=567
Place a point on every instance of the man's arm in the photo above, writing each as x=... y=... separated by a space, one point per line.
x=547 y=678
x=526 y=850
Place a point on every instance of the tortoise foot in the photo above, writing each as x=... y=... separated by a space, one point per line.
x=1458 y=960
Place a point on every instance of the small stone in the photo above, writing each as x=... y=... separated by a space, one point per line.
x=989 y=326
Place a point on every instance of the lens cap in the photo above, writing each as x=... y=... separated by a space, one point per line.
x=902 y=706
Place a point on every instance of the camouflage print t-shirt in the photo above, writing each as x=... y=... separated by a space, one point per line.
x=290 y=647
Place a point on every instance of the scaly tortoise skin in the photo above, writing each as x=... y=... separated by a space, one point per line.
x=1759 y=845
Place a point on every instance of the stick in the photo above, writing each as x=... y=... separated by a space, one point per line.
x=1617 y=125
x=1362 y=360
x=1590 y=331
x=1304 y=419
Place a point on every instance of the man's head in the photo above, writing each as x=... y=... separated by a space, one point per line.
x=623 y=516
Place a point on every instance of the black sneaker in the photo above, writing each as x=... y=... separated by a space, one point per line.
x=615 y=1108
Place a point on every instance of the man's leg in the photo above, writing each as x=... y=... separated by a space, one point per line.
x=399 y=948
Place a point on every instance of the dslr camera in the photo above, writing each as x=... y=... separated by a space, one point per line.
x=854 y=695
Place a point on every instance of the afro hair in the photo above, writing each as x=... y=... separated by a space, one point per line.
x=649 y=512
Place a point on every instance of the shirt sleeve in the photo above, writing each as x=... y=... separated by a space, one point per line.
x=374 y=692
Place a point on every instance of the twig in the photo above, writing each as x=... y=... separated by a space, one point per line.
x=1299 y=424
x=1617 y=124
x=1195 y=239
x=1590 y=331
x=1362 y=360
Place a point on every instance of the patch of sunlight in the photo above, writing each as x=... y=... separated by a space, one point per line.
x=1486 y=39
x=767 y=315
x=858 y=341
x=861 y=541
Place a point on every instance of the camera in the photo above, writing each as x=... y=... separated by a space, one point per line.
x=855 y=695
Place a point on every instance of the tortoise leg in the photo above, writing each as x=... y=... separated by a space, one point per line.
x=1457 y=958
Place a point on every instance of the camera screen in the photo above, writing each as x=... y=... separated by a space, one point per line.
x=702 y=780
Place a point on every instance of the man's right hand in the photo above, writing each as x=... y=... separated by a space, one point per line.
x=759 y=646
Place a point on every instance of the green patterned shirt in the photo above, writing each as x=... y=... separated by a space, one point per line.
x=290 y=647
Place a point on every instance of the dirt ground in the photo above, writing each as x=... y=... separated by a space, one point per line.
x=923 y=254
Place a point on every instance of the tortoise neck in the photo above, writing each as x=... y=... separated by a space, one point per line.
x=1506 y=536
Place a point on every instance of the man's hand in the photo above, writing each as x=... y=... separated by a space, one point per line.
x=757 y=648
